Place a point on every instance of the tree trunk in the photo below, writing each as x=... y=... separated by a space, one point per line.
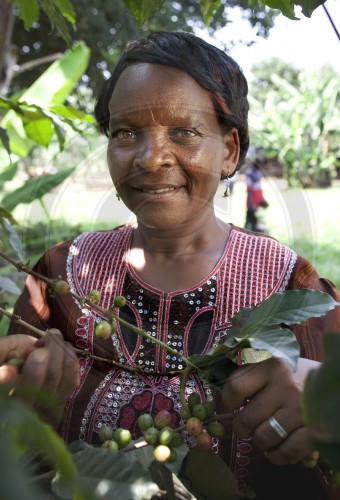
x=8 y=51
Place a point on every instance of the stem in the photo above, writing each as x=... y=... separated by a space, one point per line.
x=20 y=321
x=85 y=352
x=26 y=269
x=109 y=314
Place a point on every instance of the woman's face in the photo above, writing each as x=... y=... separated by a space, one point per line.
x=166 y=150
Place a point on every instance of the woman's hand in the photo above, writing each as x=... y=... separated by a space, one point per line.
x=271 y=389
x=51 y=367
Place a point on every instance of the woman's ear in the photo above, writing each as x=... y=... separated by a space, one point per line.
x=232 y=152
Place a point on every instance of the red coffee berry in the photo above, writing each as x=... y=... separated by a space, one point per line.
x=204 y=440
x=193 y=426
x=162 y=419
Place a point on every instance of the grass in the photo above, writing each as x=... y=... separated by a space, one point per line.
x=305 y=220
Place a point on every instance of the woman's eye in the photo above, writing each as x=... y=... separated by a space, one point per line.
x=123 y=134
x=184 y=132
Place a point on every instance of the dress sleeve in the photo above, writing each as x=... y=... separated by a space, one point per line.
x=35 y=304
x=310 y=333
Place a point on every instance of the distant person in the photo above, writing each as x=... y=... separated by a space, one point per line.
x=255 y=198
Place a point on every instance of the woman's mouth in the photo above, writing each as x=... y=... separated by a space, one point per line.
x=157 y=191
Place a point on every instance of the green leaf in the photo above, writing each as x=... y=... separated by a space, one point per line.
x=14 y=238
x=285 y=6
x=14 y=483
x=169 y=482
x=26 y=429
x=56 y=83
x=321 y=401
x=5 y=214
x=66 y=9
x=5 y=141
x=40 y=130
x=308 y=6
x=28 y=12
x=209 y=476
x=122 y=476
x=321 y=395
x=289 y=307
x=143 y=9
x=71 y=112
x=214 y=368
x=280 y=342
x=57 y=20
x=35 y=189
x=8 y=285
x=51 y=88
x=208 y=9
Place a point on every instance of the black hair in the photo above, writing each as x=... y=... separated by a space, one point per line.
x=213 y=70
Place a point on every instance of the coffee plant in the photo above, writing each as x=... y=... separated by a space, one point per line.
x=160 y=464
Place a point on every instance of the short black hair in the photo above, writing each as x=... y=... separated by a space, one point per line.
x=213 y=70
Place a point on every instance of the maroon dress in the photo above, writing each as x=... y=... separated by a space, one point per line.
x=252 y=268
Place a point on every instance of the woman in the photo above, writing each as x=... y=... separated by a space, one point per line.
x=175 y=111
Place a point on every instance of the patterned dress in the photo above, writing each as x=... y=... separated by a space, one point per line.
x=252 y=268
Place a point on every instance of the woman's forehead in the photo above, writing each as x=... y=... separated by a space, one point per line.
x=145 y=86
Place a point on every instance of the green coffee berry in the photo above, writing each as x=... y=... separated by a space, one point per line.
x=173 y=457
x=151 y=436
x=119 y=301
x=105 y=433
x=165 y=435
x=210 y=406
x=193 y=399
x=122 y=437
x=199 y=412
x=176 y=440
x=61 y=287
x=94 y=296
x=145 y=421
x=185 y=413
x=103 y=330
x=110 y=445
x=161 y=453
x=216 y=429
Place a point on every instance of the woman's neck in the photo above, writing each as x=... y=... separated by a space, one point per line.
x=199 y=236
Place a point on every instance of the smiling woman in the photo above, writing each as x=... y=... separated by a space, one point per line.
x=175 y=113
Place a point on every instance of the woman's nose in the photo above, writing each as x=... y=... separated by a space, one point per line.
x=154 y=152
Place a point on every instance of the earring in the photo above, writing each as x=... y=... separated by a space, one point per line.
x=226 y=193
x=118 y=197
